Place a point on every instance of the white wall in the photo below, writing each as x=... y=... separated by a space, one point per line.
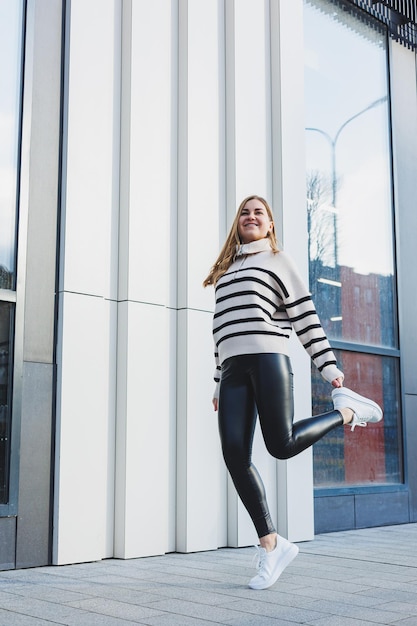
x=86 y=355
x=146 y=430
x=201 y=479
x=176 y=110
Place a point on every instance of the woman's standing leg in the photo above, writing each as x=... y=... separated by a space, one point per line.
x=237 y=419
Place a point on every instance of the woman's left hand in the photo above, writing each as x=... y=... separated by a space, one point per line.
x=337 y=382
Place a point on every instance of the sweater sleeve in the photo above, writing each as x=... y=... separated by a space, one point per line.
x=305 y=321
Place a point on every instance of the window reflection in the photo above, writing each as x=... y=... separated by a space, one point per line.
x=349 y=200
x=11 y=20
x=6 y=342
x=351 y=253
x=354 y=307
x=10 y=80
x=366 y=456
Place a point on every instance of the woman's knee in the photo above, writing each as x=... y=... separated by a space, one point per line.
x=280 y=450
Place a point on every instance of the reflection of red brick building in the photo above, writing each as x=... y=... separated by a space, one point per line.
x=365 y=447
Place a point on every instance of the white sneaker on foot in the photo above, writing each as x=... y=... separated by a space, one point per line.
x=364 y=410
x=272 y=564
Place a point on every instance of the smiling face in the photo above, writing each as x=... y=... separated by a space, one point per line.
x=254 y=222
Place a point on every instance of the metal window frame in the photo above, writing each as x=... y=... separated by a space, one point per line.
x=14 y=297
x=399 y=16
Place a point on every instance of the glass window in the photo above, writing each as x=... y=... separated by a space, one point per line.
x=6 y=344
x=351 y=251
x=11 y=21
x=367 y=456
x=10 y=81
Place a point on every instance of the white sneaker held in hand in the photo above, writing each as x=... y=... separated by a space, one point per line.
x=364 y=410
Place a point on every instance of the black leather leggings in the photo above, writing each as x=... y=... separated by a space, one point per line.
x=262 y=384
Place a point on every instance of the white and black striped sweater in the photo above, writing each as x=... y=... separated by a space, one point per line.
x=259 y=300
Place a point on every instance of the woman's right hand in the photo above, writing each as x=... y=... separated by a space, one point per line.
x=215 y=403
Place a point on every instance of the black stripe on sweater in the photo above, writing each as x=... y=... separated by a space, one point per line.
x=249 y=292
x=325 y=351
x=241 y=308
x=251 y=332
x=261 y=269
x=252 y=279
x=313 y=341
x=302 y=316
x=332 y=362
x=307 y=329
x=297 y=302
x=245 y=320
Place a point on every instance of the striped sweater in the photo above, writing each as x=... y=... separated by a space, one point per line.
x=259 y=301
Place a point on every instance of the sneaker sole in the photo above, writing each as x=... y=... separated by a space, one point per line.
x=355 y=396
x=282 y=564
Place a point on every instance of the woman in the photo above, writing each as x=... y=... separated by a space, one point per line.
x=260 y=298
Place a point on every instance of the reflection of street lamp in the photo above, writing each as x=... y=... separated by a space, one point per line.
x=333 y=142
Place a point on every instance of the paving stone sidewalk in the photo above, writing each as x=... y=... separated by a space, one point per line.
x=352 y=578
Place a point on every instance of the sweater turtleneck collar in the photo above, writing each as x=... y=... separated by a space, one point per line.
x=259 y=245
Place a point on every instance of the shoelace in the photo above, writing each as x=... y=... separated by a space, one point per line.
x=354 y=424
x=258 y=561
x=258 y=558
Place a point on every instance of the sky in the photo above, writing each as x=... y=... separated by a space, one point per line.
x=345 y=73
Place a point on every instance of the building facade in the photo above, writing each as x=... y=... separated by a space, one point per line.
x=132 y=130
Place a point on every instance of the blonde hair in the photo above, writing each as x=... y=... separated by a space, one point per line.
x=228 y=252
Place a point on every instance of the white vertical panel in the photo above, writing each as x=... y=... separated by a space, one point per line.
x=201 y=495
x=252 y=99
x=84 y=474
x=295 y=478
x=146 y=435
x=152 y=111
x=201 y=193
x=249 y=100
x=143 y=456
x=84 y=487
x=91 y=185
x=201 y=487
x=205 y=145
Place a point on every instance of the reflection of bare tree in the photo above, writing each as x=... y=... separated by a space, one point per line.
x=320 y=218
x=6 y=278
x=315 y=180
